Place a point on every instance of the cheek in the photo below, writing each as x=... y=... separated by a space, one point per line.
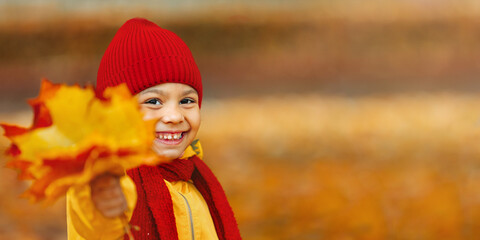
x=148 y=114
x=194 y=120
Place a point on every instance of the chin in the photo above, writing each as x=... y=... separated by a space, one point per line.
x=168 y=155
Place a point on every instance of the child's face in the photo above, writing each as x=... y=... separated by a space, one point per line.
x=175 y=107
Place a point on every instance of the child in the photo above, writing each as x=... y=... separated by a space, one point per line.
x=181 y=199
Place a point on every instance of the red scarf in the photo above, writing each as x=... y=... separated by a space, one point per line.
x=154 y=210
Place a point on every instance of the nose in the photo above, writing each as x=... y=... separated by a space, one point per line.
x=171 y=114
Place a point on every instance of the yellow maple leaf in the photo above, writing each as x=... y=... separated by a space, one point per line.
x=76 y=135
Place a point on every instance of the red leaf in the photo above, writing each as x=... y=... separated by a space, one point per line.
x=12 y=130
x=42 y=116
x=13 y=150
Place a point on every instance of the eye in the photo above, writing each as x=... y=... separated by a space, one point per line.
x=187 y=101
x=154 y=101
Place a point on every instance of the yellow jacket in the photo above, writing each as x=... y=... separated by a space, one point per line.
x=191 y=212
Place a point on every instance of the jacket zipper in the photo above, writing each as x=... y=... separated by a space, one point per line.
x=190 y=215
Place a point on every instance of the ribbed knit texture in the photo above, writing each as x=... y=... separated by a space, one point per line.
x=154 y=211
x=143 y=55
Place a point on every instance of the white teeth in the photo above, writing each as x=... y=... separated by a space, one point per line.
x=169 y=136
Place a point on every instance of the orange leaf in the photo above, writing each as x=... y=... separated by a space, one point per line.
x=76 y=135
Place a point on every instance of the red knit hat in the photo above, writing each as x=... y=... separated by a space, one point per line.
x=143 y=55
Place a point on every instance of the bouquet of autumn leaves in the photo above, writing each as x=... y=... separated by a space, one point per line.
x=76 y=136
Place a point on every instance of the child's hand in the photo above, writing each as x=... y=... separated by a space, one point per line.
x=107 y=195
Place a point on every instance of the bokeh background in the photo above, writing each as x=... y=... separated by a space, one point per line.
x=323 y=119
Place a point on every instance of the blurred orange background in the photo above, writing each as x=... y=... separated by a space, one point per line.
x=322 y=119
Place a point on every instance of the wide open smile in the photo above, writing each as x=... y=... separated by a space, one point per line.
x=169 y=138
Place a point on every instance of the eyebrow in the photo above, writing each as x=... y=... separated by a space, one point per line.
x=160 y=92
x=189 y=91
x=156 y=91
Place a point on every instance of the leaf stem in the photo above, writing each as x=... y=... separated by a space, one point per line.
x=127 y=227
